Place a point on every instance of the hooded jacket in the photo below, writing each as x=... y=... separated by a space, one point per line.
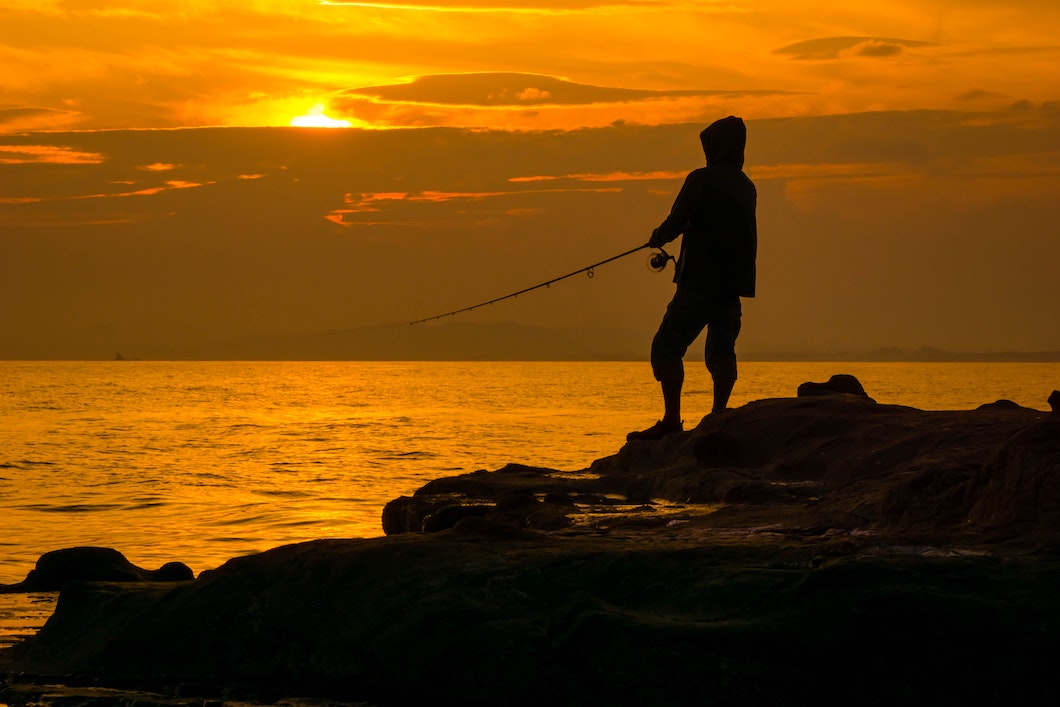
x=715 y=211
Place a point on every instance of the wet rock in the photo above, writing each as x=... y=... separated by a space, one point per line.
x=36 y=695
x=448 y=516
x=1017 y=493
x=559 y=498
x=487 y=528
x=409 y=514
x=92 y=564
x=524 y=510
x=516 y=502
x=1054 y=401
x=755 y=492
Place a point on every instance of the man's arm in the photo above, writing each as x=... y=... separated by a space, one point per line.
x=680 y=215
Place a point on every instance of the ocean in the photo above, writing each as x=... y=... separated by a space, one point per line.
x=200 y=462
x=204 y=461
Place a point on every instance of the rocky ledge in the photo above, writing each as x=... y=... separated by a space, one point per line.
x=821 y=549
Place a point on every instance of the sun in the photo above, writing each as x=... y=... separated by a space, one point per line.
x=315 y=118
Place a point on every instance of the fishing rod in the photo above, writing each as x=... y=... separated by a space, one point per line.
x=656 y=263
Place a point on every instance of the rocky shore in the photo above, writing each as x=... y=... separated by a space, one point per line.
x=820 y=549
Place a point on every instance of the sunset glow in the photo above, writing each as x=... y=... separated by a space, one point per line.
x=528 y=351
x=315 y=118
x=904 y=152
x=480 y=63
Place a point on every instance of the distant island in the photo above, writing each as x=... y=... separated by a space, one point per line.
x=924 y=354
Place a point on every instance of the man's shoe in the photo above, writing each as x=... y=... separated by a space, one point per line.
x=657 y=431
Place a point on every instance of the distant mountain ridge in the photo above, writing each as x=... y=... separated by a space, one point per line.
x=511 y=341
x=924 y=354
x=505 y=341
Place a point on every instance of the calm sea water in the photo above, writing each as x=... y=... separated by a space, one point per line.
x=201 y=462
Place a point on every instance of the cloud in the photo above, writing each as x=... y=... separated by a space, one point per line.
x=874 y=227
x=393 y=209
x=608 y=177
x=977 y=94
x=1010 y=50
x=876 y=48
x=50 y=154
x=512 y=89
x=544 y=7
x=509 y=100
x=830 y=48
x=34 y=118
x=90 y=64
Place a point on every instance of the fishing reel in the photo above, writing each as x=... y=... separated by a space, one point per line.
x=657 y=261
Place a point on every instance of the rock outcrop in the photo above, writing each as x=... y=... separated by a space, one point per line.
x=839 y=384
x=820 y=463
x=813 y=550
x=92 y=564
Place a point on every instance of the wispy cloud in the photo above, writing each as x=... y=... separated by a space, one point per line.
x=606 y=177
x=34 y=118
x=154 y=190
x=375 y=203
x=544 y=7
x=516 y=89
x=826 y=48
x=825 y=171
x=47 y=154
x=510 y=100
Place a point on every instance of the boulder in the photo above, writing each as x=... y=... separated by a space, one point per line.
x=839 y=384
x=92 y=564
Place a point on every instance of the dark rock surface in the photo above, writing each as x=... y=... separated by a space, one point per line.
x=92 y=564
x=835 y=463
x=487 y=620
x=814 y=550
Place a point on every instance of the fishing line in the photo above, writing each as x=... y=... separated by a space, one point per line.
x=656 y=263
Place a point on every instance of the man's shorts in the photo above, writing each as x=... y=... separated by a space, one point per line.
x=686 y=316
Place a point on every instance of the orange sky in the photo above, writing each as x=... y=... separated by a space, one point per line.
x=906 y=156
x=165 y=63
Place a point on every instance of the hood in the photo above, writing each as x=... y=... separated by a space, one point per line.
x=724 y=141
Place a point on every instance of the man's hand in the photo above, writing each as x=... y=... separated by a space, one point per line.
x=656 y=240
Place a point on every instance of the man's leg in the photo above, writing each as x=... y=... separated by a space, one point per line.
x=682 y=323
x=722 y=390
x=720 y=354
x=671 y=392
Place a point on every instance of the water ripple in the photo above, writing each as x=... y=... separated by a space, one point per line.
x=71 y=508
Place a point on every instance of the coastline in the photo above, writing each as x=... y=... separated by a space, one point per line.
x=790 y=551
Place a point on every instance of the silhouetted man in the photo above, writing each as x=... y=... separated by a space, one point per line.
x=715 y=211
